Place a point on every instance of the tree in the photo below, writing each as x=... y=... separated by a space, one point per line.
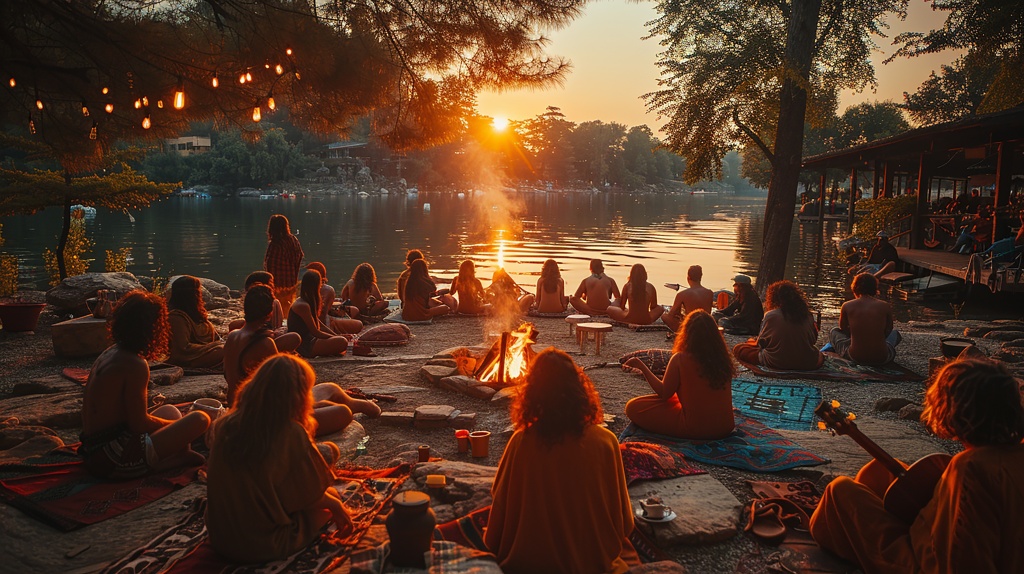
x=957 y=91
x=867 y=122
x=753 y=72
x=992 y=33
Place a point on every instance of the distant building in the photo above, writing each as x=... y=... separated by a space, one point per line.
x=188 y=145
x=340 y=150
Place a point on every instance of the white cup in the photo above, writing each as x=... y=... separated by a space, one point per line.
x=212 y=407
x=653 y=510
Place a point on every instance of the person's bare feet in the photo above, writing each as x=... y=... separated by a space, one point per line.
x=369 y=408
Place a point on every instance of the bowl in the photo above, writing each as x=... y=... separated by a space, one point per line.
x=952 y=346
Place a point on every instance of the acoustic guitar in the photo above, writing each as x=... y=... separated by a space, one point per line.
x=914 y=485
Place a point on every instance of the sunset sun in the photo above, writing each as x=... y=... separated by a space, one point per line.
x=500 y=124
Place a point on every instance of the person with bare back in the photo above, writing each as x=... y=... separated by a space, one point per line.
x=596 y=292
x=695 y=297
x=120 y=438
x=865 y=332
x=639 y=304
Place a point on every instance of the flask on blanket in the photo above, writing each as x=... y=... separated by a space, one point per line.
x=410 y=529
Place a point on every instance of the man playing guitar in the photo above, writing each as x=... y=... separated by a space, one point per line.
x=975 y=520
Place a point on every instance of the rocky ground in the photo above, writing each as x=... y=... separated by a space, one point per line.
x=707 y=537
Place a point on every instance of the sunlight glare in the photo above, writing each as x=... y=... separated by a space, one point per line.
x=501 y=250
x=499 y=123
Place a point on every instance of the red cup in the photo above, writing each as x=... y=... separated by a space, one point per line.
x=462 y=437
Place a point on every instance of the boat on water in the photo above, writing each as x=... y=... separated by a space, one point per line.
x=90 y=211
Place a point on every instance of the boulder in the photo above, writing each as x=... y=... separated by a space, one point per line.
x=209 y=286
x=72 y=292
x=218 y=303
x=468 y=488
x=911 y=412
x=705 y=509
x=504 y=395
x=12 y=436
x=54 y=410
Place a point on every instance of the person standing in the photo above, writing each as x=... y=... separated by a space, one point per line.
x=695 y=297
x=283 y=259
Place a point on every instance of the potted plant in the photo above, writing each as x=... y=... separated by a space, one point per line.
x=16 y=316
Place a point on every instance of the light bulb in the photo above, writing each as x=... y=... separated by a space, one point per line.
x=109 y=108
x=146 y=123
x=288 y=51
x=31 y=126
x=297 y=76
x=92 y=131
x=215 y=82
x=160 y=104
x=145 y=101
x=270 y=103
x=241 y=79
x=279 y=69
x=105 y=91
x=39 y=104
x=179 y=98
x=12 y=82
x=248 y=77
x=256 y=115
x=138 y=104
x=85 y=110
x=266 y=64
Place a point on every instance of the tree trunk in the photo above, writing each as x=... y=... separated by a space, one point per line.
x=65 y=229
x=789 y=141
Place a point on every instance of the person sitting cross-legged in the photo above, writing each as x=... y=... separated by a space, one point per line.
x=694 y=297
x=743 y=316
x=596 y=292
x=865 y=333
x=120 y=438
x=973 y=522
x=788 y=333
x=639 y=303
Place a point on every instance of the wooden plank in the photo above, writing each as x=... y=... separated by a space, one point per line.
x=944 y=262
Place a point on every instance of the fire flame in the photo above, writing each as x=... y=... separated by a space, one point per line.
x=517 y=356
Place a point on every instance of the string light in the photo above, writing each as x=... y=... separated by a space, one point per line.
x=146 y=122
x=248 y=77
x=160 y=104
x=179 y=95
x=39 y=104
x=92 y=131
x=138 y=104
x=256 y=115
x=31 y=124
x=109 y=108
x=12 y=82
x=145 y=101
x=241 y=79
x=105 y=91
x=288 y=51
x=266 y=64
x=270 y=102
x=85 y=109
x=279 y=69
x=297 y=76
x=215 y=82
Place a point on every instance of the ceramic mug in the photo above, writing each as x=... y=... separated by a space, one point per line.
x=478 y=442
x=653 y=509
x=462 y=439
x=212 y=407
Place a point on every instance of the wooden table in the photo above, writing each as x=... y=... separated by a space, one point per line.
x=574 y=320
x=595 y=331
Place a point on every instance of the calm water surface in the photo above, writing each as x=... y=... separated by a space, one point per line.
x=225 y=239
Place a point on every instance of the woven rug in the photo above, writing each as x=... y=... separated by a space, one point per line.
x=469 y=531
x=184 y=548
x=647 y=461
x=752 y=446
x=778 y=406
x=837 y=368
x=56 y=489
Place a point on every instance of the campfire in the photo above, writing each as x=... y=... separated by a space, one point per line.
x=508 y=360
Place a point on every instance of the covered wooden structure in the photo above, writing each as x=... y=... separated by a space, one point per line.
x=979 y=150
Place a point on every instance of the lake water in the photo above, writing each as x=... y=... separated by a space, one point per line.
x=225 y=239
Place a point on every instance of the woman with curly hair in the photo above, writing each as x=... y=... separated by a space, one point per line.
x=362 y=292
x=973 y=522
x=550 y=290
x=120 y=438
x=194 y=340
x=788 y=334
x=639 y=303
x=270 y=488
x=560 y=498
x=469 y=289
x=694 y=398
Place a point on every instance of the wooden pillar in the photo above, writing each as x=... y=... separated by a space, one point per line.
x=888 y=173
x=1004 y=159
x=821 y=203
x=851 y=205
x=876 y=181
x=833 y=196
x=924 y=177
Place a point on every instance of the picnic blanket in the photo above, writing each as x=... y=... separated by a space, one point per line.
x=837 y=368
x=778 y=406
x=55 y=488
x=444 y=557
x=396 y=317
x=752 y=446
x=647 y=461
x=184 y=547
x=469 y=531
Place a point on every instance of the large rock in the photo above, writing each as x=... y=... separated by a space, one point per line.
x=209 y=287
x=44 y=386
x=346 y=439
x=72 y=292
x=705 y=509
x=55 y=410
x=12 y=436
x=434 y=373
x=84 y=336
x=468 y=489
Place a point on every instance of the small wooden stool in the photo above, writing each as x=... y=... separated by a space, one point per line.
x=573 y=320
x=585 y=331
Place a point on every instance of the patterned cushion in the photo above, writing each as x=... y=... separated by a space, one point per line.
x=387 y=335
x=656 y=359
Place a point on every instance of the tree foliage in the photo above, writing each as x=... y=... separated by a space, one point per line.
x=992 y=33
x=723 y=69
x=957 y=91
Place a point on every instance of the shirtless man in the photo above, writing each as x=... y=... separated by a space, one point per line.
x=865 y=332
x=246 y=348
x=696 y=297
x=120 y=438
x=595 y=292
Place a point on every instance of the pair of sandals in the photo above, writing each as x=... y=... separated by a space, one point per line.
x=771 y=518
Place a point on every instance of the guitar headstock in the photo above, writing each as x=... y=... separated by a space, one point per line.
x=834 y=419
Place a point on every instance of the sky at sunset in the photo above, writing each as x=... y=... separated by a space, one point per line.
x=613 y=66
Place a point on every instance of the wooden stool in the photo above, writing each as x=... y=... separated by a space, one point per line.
x=585 y=331
x=573 y=320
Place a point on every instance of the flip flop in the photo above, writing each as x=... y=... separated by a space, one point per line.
x=765 y=521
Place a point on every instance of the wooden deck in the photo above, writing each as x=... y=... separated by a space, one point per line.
x=955 y=265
